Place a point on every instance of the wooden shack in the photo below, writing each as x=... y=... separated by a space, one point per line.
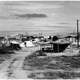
x=55 y=47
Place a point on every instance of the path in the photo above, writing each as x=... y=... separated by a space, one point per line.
x=12 y=68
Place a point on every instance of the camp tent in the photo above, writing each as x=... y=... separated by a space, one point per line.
x=29 y=44
x=22 y=45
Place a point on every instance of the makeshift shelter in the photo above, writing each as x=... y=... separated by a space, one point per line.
x=36 y=40
x=22 y=45
x=56 y=46
x=29 y=44
x=54 y=38
x=15 y=45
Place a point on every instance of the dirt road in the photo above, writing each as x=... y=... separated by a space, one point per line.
x=12 y=68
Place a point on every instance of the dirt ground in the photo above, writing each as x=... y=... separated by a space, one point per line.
x=26 y=64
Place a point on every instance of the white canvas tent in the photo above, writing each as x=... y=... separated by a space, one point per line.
x=36 y=40
x=22 y=45
x=29 y=44
x=14 y=42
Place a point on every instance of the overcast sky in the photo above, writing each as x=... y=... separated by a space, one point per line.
x=24 y=15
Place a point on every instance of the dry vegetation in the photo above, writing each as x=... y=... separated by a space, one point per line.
x=4 y=57
x=66 y=67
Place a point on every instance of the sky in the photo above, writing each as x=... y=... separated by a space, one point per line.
x=56 y=16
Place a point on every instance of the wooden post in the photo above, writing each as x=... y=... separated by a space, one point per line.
x=77 y=34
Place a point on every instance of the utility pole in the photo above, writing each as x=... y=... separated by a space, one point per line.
x=77 y=33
